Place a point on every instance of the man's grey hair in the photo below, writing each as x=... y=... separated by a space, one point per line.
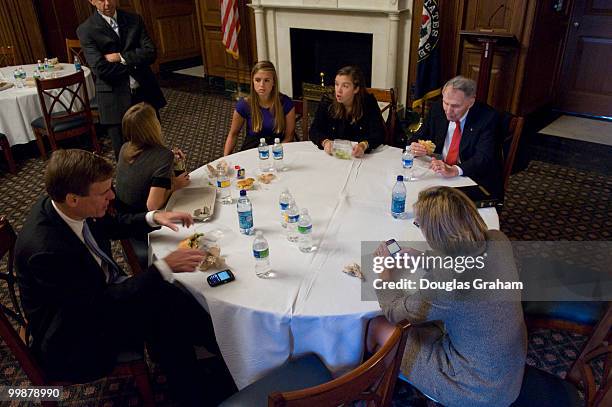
x=465 y=85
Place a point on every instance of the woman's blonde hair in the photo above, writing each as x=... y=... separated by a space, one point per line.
x=337 y=109
x=449 y=220
x=277 y=106
x=141 y=130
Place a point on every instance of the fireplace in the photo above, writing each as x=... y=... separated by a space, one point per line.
x=316 y=51
x=386 y=23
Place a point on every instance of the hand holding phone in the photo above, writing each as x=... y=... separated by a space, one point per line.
x=220 y=278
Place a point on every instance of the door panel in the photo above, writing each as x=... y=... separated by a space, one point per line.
x=586 y=84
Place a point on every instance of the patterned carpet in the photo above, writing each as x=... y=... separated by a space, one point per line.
x=545 y=201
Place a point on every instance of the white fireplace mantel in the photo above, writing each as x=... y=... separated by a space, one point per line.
x=388 y=21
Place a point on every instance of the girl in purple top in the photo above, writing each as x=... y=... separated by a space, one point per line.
x=268 y=113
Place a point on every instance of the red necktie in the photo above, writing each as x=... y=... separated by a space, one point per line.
x=453 y=151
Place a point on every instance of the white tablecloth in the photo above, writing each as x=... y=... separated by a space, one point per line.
x=20 y=106
x=310 y=306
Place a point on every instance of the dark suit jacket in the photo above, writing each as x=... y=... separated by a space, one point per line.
x=479 y=153
x=369 y=128
x=112 y=78
x=62 y=288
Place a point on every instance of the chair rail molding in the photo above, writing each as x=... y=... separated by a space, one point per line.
x=389 y=22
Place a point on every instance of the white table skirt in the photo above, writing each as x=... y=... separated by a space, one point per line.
x=20 y=106
x=310 y=306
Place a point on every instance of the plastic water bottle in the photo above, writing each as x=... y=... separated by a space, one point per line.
x=223 y=186
x=293 y=217
x=22 y=74
x=245 y=214
x=305 y=232
x=264 y=155
x=36 y=74
x=278 y=154
x=407 y=163
x=398 y=198
x=40 y=66
x=47 y=67
x=77 y=63
x=261 y=253
x=283 y=201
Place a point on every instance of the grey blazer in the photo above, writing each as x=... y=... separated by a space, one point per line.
x=468 y=347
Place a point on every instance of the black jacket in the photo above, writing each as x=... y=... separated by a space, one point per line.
x=369 y=128
x=112 y=78
x=62 y=286
x=479 y=152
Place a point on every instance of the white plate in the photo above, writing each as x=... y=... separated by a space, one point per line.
x=190 y=199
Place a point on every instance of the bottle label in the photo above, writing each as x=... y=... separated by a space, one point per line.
x=293 y=219
x=305 y=229
x=223 y=183
x=241 y=173
x=261 y=254
x=264 y=154
x=245 y=219
x=398 y=205
x=284 y=206
x=407 y=162
x=278 y=154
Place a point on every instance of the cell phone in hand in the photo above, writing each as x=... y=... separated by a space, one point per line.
x=393 y=246
x=220 y=278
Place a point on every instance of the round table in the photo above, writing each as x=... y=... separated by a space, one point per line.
x=20 y=106
x=310 y=305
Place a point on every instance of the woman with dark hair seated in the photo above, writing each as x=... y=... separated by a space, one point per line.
x=352 y=115
x=467 y=346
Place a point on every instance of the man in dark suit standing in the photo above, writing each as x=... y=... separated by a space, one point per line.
x=119 y=51
x=81 y=307
x=463 y=131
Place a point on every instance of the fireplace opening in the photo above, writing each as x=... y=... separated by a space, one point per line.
x=316 y=51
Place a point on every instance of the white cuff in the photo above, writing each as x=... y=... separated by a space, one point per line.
x=459 y=169
x=164 y=270
x=122 y=59
x=150 y=220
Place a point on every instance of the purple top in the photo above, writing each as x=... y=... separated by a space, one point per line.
x=252 y=139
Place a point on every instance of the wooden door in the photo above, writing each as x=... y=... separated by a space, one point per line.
x=586 y=83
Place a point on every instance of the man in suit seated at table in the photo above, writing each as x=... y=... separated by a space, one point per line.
x=463 y=131
x=81 y=307
x=119 y=51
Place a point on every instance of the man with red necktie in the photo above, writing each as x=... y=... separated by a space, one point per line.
x=463 y=131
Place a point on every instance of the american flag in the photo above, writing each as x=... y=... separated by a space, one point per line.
x=230 y=25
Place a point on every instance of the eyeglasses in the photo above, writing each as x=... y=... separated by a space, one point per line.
x=415 y=223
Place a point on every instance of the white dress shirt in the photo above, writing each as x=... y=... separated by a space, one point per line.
x=133 y=82
x=449 y=138
x=77 y=227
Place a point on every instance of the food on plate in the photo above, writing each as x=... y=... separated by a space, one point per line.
x=429 y=145
x=265 y=178
x=245 y=184
x=191 y=242
x=353 y=269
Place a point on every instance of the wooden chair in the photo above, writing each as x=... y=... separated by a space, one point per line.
x=512 y=128
x=298 y=105
x=7 y=55
x=73 y=48
x=8 y=154
x=129 y=364
x=388 y=97
x=70 y=93
x=590 y=318
x=7 y=248
x=373 y=381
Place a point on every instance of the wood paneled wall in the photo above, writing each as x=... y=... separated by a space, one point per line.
x=19 y=27
x=217 y=61
x=523 y=78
